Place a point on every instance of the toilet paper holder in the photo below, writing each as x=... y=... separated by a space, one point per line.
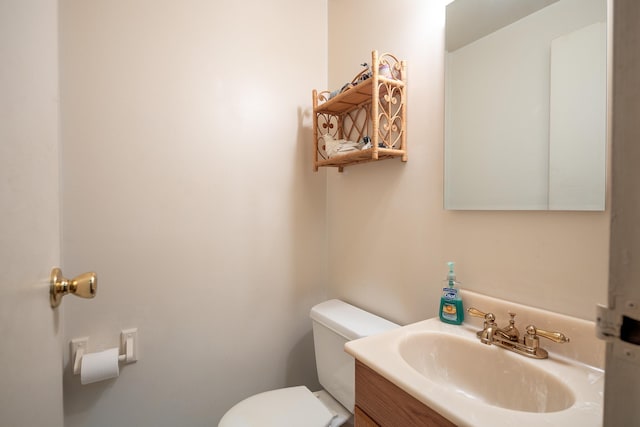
x=128 y=348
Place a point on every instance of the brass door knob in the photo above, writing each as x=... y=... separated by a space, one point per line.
x=84 y=285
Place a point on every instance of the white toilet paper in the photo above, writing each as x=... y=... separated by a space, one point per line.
x=99 y=366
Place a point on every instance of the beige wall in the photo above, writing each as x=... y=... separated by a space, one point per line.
x=31 y=332
x=188 y=187
x=389 y=237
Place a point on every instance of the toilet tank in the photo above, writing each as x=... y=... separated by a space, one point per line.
x=334 y=323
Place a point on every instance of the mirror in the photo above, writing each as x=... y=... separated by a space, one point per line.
x=525 y=105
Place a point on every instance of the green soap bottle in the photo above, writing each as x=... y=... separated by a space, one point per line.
x=451 y=310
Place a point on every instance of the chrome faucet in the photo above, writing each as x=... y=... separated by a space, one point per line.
x=508 y=337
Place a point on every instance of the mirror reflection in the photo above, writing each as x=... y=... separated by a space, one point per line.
x=525 y=105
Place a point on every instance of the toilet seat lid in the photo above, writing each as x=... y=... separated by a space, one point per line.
x=292 y=406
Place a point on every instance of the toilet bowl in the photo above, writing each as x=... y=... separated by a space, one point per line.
x=334 y=323
x=292 y=406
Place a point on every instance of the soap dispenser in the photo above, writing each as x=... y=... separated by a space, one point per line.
x=451 y=310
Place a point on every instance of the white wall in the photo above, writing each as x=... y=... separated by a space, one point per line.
x=188 y=187
x=389 y=236
x=31 y=332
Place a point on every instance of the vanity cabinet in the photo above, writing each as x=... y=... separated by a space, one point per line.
x=380 y=403
x=372 y=105
x=363 y=420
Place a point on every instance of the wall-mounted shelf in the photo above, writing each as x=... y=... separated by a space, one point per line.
x=373 y=105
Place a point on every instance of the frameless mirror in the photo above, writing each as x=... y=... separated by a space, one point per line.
x=525 y=105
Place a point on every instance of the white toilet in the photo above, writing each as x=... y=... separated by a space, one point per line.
x=334 y=323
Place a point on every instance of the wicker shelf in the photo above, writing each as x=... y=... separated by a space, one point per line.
x=374 y=107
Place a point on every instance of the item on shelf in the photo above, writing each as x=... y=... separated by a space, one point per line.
x=338 y=146
x=334 y=146
x=385 y=71
x=339 y=91
x=362 y=76
x=366 y=141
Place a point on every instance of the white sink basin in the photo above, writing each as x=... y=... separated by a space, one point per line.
x=494 y=377
x=447 y=368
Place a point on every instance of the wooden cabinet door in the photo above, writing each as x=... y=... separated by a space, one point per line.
x=391 y=406
x=363 y=420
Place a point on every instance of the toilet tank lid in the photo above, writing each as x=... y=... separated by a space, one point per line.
x=349 y=321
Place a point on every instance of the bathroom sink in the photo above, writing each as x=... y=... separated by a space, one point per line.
x=448 y=369
x=493 y=376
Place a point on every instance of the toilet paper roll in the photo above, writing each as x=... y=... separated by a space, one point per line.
x=99 y=366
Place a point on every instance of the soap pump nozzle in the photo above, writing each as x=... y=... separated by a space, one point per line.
x=451 y=276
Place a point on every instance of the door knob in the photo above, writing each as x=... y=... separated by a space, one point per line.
x=84 y=285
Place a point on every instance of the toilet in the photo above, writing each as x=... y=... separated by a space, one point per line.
x=334 y=323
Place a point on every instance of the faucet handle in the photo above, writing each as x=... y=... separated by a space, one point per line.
x=554 y=336
x=489 y=319
x=477 y=313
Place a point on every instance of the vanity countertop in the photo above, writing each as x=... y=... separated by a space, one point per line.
x=574 y=376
